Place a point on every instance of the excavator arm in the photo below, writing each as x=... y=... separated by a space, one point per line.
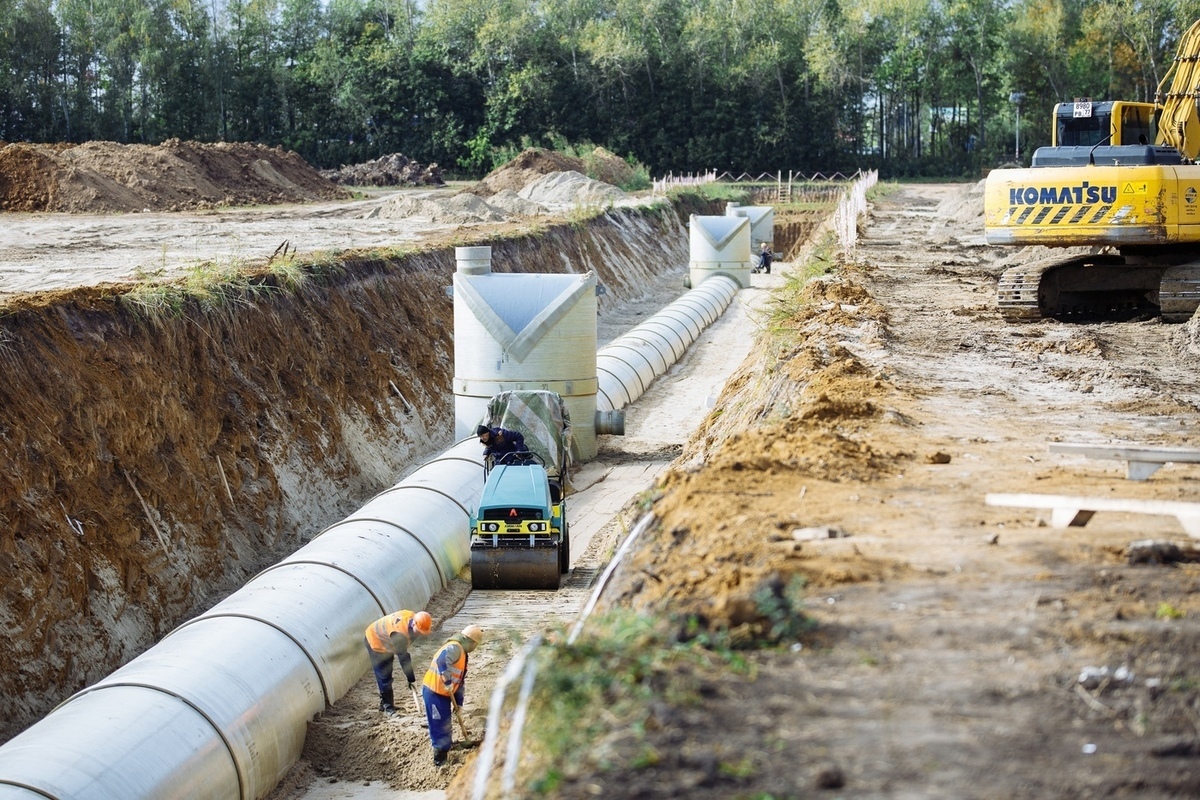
x=1178 y=123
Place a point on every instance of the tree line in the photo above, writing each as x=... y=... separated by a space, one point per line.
x=910 y=87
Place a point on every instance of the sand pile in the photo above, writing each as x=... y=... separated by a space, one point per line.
x=530 y=165
x=534 y=162
x=510 y=202
x=571 y=188
x=964 y=206
x=460 y=209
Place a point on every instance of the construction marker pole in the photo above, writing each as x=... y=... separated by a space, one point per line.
x=513 y=755
x=644 y=523
x=487 y=754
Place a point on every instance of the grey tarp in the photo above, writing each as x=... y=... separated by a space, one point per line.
x=542 y=418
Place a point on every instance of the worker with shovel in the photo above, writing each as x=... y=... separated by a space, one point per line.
x=443 y=690
x=388 y=638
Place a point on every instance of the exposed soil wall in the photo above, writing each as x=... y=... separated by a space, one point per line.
x=149 y=467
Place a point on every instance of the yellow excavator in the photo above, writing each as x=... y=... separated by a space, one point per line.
x=1121 y=180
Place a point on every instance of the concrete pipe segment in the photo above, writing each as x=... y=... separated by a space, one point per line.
x=627 y=365
x=219 y=707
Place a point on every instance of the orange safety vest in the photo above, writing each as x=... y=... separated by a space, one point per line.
x=379 y=633
x=455 y=674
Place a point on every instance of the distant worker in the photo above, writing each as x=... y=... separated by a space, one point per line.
x=389 y=638
x=443 y=689
x=500 y=441
x=764 y=259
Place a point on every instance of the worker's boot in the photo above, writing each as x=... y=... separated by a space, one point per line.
x=439 y=757
x=387 y=701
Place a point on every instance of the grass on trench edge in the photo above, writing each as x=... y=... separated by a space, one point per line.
x=595 y=701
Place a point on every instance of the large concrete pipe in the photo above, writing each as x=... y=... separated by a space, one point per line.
x=219 y=708
x=629 y=364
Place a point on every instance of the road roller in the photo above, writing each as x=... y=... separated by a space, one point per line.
x=519 y=533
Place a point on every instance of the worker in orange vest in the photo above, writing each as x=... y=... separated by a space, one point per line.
x=443 y=688
x=388 y=638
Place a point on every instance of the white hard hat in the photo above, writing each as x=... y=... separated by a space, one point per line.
x=474 y=633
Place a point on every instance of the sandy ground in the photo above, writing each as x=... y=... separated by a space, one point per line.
x=54 y=251
x=45 y=251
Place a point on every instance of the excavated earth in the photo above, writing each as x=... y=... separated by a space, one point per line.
x=174 y=176
x=951 y=648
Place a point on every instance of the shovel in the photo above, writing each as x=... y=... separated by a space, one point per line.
x=462 y=725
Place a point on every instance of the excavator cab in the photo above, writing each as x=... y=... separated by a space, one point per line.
x=1108 y=133
x=1084 y=123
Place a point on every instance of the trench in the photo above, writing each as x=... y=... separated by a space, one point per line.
x=150 y=465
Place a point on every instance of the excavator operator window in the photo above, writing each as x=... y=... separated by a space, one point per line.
x=1083 y=131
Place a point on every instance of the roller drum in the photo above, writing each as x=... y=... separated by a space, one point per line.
x=516 y=565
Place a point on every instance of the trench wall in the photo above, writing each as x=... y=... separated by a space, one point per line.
x=149 y=467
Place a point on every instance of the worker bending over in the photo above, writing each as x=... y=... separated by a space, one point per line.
x=500 y=441
x=389 y=638
x=443 y=688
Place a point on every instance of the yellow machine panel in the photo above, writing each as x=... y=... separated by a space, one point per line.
x=1094 y=206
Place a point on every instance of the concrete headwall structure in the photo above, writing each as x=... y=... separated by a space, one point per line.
x=523 y=331
x=719 y=246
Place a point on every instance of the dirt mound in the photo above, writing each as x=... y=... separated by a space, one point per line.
x=964 y=206
x=608 y=167
x=174 y=176
x=393 y=170
x=512 y=203
x=530 y=165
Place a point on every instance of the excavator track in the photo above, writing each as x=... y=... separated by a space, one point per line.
x=1082 y=287
x=1179 y=292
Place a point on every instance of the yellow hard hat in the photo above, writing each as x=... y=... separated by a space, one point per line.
x=422 y=623
x=474 y=633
